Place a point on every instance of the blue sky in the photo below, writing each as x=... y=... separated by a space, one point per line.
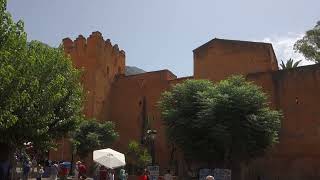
x=161 y=34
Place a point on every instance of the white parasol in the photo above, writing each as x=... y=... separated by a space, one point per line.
x=109 y=158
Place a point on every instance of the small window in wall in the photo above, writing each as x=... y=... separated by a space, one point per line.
x=108 y=70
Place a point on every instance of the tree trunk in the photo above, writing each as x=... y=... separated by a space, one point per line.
x=235 y=171
x=72 y=164
x=6 y=160
x=13 y=163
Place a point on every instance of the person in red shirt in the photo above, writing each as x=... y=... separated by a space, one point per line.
x=144 y=175
x=63 y=170
x=103 y=173
x=82 y=171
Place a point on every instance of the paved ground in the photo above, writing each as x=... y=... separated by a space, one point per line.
x=58 y=179
x=19 y=173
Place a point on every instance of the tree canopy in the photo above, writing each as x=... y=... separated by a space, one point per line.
x=309 y=45
x=229 y=121
x=92 y=135
x=41 y=96
x=179 y=108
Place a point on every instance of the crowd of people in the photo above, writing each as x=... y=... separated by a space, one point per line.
x=145 y=175
x=49 y=169
x=103 y=173
x=52 y=170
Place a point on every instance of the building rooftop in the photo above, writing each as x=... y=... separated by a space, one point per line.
x=230 y=41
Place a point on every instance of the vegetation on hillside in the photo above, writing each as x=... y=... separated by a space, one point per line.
x=132 y=70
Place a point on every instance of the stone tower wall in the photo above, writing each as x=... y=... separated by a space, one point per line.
x=101 y=62
x=219 y=58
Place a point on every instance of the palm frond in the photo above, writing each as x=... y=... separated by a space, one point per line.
x=297 y=63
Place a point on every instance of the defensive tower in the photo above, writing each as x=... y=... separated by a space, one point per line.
x=220 y=58
x=101 y=62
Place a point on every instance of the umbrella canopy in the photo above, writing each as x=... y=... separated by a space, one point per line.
x=109 y=158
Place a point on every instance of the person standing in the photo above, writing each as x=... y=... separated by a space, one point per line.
x=46 y=169
x=54 y=168
x=111 y=174
x=26 y=170
x=123 y=175
x=40 y=172
x=103 y=174
x=168 y=176
x=82 y=171
x=76 y=170
x=144 y=175
x=33 y=166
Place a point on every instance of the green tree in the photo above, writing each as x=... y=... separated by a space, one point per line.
x=228 y=123
x=309 y=45
x=180 y=108
x=40 y=92
x=41 y=97
x=138 y=155
x=92 y=135
x=289 y=64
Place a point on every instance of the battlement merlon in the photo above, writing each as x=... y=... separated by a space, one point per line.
x=94 y=42
x=94 y=48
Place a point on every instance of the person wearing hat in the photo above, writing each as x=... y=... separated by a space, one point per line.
x=209 y=178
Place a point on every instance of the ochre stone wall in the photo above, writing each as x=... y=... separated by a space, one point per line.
x=130 y=100
x=220 y=58
x=296 y=94
x=180 y=80
x=62 y=152
x=134 y=99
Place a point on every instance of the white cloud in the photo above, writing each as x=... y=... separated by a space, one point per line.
x=283 y=47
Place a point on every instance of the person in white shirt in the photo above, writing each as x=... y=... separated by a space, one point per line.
x=54 y=168
x=111 y=174
x=168 y=176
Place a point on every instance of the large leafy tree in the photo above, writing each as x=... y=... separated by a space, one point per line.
x=309 y=45
x=92 y=135
x=180 y=108
x=229 y=122
x=40 y=92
